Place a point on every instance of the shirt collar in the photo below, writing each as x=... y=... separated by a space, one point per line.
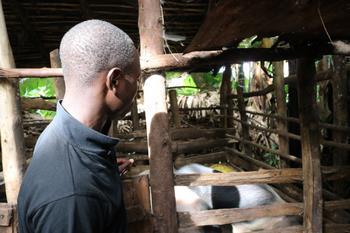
x=75 y=133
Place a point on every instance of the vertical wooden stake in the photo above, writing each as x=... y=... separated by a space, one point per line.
x=241 y=106
x=293 y=111
x=340 y=117
x=159 y=143
x=135 y=116
x=225 y=89
x=59 y=82
x=12 y=139
x=174 y=108
x=310 y=144
x=281 y=110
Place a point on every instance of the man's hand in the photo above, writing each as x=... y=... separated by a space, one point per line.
x=124 y=165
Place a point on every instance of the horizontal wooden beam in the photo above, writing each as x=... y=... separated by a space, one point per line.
x=292 y=229
x=228 y=216
x=173 y=61
x=337 y=205
x=288 y=175
x=177 y=147
x=201 y=158
x=37 y=103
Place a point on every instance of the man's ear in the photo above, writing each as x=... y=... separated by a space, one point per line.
x=113 y=77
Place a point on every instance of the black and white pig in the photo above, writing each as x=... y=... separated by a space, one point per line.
x=197 y=198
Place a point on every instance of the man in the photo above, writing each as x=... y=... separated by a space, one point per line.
x=72 y=184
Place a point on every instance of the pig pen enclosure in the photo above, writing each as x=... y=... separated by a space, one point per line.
x=288 y=131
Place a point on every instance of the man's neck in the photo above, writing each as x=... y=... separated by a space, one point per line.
x=87 y=111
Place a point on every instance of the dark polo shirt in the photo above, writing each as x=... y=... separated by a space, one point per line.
x=72 y=184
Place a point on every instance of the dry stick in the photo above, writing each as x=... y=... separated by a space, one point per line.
x=283 y=133
x=285 y=156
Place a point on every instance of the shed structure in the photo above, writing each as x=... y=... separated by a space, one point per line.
x=185 y=35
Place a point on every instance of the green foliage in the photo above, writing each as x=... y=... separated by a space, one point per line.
x=184 y=80
x=249 y=42
x=38 y=87
x=271 y=158
x=211 y=80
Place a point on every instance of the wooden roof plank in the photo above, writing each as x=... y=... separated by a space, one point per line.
x=233 y=20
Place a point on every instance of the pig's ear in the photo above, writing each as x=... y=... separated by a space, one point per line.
x=113 y=77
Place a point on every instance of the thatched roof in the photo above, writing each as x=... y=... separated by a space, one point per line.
x=36 y=27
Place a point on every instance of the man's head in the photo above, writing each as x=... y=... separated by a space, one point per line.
x=98 y=57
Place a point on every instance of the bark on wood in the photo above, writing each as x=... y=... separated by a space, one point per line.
x=242 y=111
x=337 y=228
x=310 y=143
x=287 y=175
x=161 y=59
x=225 y=90
x=193 y=133
x=337 y=205
x=176 y=147
x=227 y=216
x=55 y=62
x=135 y=116
x=174 y=109
x=159 y=150
x=159 y=143
x=37 y=103
x=340 y=117
x=184 y=133
x=283 y=142
x=9 y=219
x=11 y=131
x=293 y=111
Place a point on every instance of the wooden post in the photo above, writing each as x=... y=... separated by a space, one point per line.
x=59 y=82
x=293 y=111
x=135 y=116
x=242 y=112
x=310 y=144
x=12 y=140
x=159 y=143
x=228 y=73
x=174 y=108
x=340 y=117
x=282 y=126
x=225 y=90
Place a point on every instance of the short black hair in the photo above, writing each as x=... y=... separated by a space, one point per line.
x=93 y=46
